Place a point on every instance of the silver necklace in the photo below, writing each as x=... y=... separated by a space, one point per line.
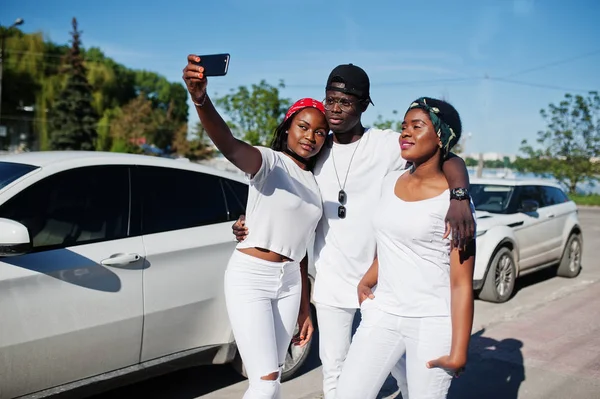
x=342 y=197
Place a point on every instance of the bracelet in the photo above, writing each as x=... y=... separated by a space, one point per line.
x=201 y=102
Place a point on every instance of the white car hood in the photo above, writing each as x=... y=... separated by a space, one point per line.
x=487 y=220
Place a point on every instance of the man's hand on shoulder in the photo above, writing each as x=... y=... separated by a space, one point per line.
x=459 y=221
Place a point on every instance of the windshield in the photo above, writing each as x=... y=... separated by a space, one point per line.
x=10 y=171
x=490 y=197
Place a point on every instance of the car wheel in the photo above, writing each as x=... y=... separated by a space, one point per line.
x=500 y=280
x=295 y=357
x=570 y=263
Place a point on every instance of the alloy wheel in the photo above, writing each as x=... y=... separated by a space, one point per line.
x=574 y=256
x=504 y=275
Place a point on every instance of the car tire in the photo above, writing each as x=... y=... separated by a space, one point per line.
x=500 y=279
x=295 y=358
x=570 y=262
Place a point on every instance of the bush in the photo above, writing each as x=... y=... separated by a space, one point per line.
x=587 y=199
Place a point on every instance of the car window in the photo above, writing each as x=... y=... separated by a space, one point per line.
x=559 y=195
x=173 y=199
x=10 y=171
x=553 y=195
x=74 y=207
x=236 y=194
x=492 y=198
x=533 y=193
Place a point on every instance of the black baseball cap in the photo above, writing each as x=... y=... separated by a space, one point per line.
x=355 y=79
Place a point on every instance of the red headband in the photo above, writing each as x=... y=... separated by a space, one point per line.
x=304 y=103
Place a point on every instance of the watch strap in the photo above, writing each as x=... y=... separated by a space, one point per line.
x=459 y=194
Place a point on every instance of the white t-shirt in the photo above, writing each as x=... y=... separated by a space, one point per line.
x=345 y=248
x=284 y=206
x=414 y=259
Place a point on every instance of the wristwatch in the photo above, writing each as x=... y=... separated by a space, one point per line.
x=459 y=194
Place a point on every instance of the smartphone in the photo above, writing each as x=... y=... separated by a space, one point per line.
x=214 y=64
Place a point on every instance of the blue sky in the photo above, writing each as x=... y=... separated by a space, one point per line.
x=456 y=49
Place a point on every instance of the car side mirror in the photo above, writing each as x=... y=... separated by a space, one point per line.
x=528 y=206
x=14 y=238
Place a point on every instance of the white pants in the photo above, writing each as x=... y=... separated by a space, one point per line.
x=335 y=335
x=382 y=339
x=263 y=300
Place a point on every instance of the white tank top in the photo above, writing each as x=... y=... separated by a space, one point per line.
x=284 y=206
x=414 y=258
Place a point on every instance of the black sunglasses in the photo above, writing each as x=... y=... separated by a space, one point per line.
x=342 y=201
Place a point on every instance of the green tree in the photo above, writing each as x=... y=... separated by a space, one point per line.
x=471 y=161
x=138 y=123
x=199 y=147
x=105 y=140
x=21 y=80
x=570 y=145
x=113 y=84
x=73 y=118
x=255 y=112
x=36 y=72
x=393 y=124
x=52 y=81
x=163 y=94
x=130 y=125
x=165 y=127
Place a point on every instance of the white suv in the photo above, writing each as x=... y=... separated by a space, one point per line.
x=522 y=226
x=112 y=264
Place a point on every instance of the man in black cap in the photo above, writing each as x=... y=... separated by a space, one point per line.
x=349 y=173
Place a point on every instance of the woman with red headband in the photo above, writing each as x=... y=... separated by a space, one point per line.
x=266 y=279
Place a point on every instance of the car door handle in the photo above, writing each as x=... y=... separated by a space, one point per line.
x=550 y=215
x=120 y=259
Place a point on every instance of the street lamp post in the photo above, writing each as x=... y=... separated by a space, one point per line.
x=18 y=21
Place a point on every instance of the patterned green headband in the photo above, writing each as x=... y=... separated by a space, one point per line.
x=444 y=132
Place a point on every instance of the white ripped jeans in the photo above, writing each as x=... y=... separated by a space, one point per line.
x=263 y=300
x=381 y=340
x=335 y=335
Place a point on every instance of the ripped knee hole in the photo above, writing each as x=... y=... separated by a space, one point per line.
x=271 y=377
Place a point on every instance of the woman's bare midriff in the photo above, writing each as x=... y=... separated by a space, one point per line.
x=264 y=254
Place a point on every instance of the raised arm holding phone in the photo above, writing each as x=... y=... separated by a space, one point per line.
x=266 y=279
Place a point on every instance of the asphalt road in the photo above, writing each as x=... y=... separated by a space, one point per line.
x=543 y=343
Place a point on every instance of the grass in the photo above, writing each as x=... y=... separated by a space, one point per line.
x=588 y=199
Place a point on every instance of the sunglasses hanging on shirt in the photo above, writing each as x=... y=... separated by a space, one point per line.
x=342 y=201
x=342 y=197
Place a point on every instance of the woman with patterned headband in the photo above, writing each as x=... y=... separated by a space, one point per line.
x=417 y=297
x=266 y=279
